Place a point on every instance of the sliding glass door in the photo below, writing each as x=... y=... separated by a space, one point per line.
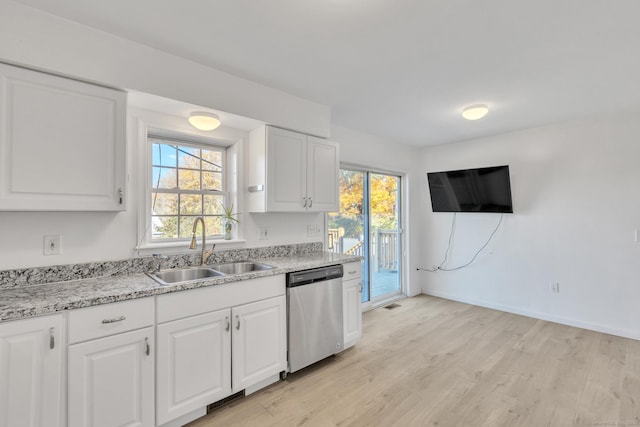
x=368 y=224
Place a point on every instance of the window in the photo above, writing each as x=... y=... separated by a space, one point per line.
x=187 y=181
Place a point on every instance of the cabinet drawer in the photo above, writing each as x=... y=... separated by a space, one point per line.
x=352 y=270
x=109 y=319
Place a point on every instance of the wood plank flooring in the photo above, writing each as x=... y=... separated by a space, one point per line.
x=434 y=362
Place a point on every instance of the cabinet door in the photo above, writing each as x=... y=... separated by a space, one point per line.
x=111 y=381
x=323 y=169
x=31 y=387
x=259 y=342
x=194 y=363
x=62 y=143
x=286 y=188
x=352 y=311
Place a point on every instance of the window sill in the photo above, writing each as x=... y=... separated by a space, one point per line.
x=183 y=247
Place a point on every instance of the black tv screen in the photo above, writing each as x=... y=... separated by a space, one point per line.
x=471 y=190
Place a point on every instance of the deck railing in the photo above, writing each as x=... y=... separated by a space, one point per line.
x=384 y=248
x=358 y=249
x=335 y=243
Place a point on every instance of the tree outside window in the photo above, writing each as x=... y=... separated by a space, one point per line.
x=187 y=181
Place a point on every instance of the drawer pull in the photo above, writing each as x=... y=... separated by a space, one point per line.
x=52 y=338
x=114 y=320
x=352 y=272
x=228 y=324
x=147 y=347
x=238 y=324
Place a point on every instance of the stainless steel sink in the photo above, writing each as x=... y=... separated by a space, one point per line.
x=240 y=267
x=168 y=277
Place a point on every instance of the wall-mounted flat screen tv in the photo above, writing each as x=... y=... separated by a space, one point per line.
x=471 y=190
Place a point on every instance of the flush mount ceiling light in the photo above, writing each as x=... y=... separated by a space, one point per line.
x=204 y=121
x=475 y=112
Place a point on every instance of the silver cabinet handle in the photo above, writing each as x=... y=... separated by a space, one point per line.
x=351 y=272
x=52 y=338
x=310 y=201
x=120 y=195
x=238 y=323
x=305 y=202
x=360 y=288
x=114 y=320
x=228 y=324
x=147 y=347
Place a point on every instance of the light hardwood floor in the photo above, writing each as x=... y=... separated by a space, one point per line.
x=434 y=362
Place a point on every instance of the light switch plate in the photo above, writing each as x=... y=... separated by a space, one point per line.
x=263 y=233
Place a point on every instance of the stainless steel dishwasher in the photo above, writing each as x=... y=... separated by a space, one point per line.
x=314 y=315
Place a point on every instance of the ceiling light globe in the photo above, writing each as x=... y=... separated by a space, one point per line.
x=475 y=112
x=204 y=121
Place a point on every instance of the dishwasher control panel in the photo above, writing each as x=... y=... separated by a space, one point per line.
x=305 y=277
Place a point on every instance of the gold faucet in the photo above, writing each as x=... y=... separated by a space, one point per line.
x=205 y=253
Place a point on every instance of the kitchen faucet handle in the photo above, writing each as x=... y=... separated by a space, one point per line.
x=160 y=258
x=208 y=254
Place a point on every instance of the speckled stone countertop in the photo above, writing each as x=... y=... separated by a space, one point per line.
x=33 y=300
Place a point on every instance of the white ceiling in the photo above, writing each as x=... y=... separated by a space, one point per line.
x=403 y=69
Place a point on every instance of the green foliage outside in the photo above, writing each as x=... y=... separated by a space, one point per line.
x=383 y=199
x=186 y=169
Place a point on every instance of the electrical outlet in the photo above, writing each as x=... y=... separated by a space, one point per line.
x=311 y=230
x=554 y=287
x=263 y=233
x=51 y=244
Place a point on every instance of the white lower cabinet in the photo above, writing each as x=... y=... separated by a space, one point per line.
x=259 y=341
x=216 y=341
x=111 y=381
x=194 y=364
x=111 y=365
x=31 y=366
x=352 y=304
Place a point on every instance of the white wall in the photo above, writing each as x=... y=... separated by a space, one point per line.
x=37 y=39
x=360 y=149
x=104 y=236
x=576 y=197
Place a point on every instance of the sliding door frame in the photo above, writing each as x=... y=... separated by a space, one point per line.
x=402 y=245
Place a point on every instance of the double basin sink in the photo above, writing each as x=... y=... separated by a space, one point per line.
x=168 y=277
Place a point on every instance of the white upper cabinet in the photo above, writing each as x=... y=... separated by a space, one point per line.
x=62 y=143
x=323 y=169
x=292 y=172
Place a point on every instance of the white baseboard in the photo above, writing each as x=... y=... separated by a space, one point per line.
x=625 y=333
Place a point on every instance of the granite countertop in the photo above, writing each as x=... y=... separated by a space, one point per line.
x=34 y=300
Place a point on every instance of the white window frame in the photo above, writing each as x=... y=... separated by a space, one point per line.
x=144 y=122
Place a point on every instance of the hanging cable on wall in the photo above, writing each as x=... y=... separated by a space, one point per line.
x=441 y=267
